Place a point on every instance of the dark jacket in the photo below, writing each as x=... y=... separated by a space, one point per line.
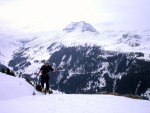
x=46 y=69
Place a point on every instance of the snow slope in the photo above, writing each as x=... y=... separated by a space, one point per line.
x=75 y=104
x=13 y=87
x=11 y=42
x=16 y=97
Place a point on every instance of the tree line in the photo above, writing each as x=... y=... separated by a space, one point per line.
x=8 y=71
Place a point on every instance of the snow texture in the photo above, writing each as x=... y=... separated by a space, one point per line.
x=74 y=104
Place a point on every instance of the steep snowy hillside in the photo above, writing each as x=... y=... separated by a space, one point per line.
x=75 y=104
x=134 y=42
x=7 y=47
x=32 y=55
x=86 y=69
x=13 y=87
x=11 y=42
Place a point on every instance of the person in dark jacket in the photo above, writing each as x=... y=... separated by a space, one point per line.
x=45 y=70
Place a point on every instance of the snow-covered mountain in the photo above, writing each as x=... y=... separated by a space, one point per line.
x=10 y=42
x=79 y=27
x=90 y=61
x=7 y=47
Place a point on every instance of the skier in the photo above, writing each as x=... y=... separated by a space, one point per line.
x=45 y=69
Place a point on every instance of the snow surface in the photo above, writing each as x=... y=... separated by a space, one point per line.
x=16 y=97
x=13 y=87
x=74 y=104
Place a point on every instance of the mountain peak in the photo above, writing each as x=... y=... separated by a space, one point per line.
x=80 y=26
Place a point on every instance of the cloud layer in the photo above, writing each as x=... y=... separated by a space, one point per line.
x=55 y=14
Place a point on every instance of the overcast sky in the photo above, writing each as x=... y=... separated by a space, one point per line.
x=40 y=15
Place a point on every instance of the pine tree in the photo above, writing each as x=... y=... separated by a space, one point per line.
x=3 y=70
x=12 y=73
x=8 y=71
x=20 y=75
